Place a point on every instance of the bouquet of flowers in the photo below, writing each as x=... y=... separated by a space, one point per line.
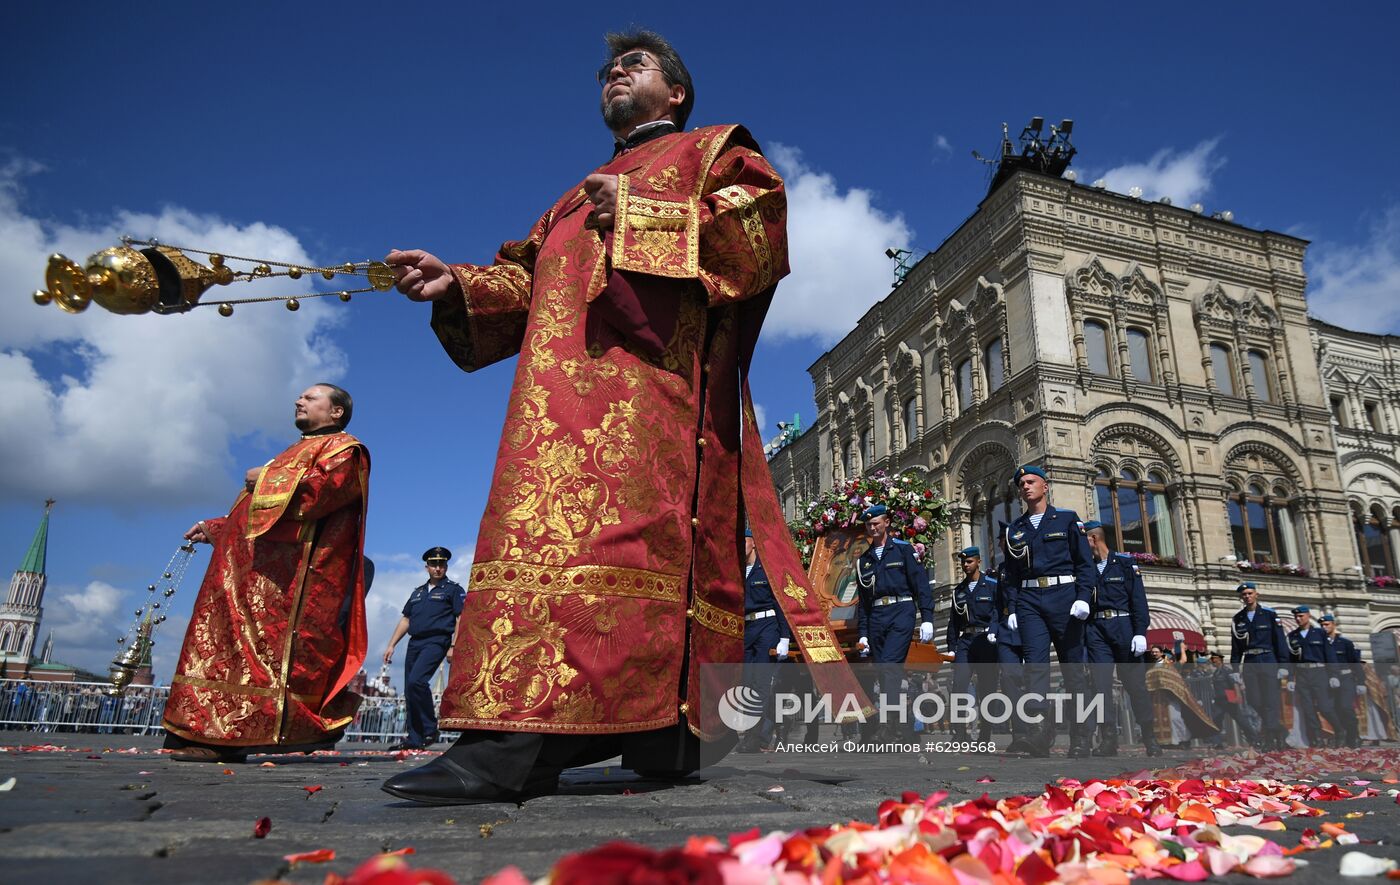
x=918 y=514
x=1269 y=568
x=1383 y=581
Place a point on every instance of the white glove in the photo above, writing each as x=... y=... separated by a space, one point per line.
x=1334 y=682
x=926 y=632
x=782 y=648
x=1011 y=621
x=1080 y=609
x=952 y=654
x=1292 y=685
x=1282 y=672
x=864 y=645
x=992 y=638
x=1139 y=645
x=1360 y=690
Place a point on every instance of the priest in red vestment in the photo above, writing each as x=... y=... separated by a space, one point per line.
x=278 y=628
x=609 y=564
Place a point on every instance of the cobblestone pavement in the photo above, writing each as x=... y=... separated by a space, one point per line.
x=110 y=808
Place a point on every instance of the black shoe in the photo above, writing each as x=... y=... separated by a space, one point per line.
x=984 y=734
x=405 y=745
x=1107 y=747
x=1019 y=744
x=1153 y=748
x=431 y=739
x=444 y=782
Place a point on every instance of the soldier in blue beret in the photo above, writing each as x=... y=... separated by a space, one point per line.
x=1050 y=573
x=1010 y=662
x=1315 y=671
x=767 y=639
x=971 y=636
x=1353 y=679
x=1117 y=634
x=1260 y=649
x=429 y=618
x=893 y=593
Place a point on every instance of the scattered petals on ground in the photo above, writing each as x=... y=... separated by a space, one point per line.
x=320 y=855
x=392 y=869
x=1169 y=825
x=261 y=827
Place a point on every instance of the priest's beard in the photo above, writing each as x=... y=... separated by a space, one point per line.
x=619 y=113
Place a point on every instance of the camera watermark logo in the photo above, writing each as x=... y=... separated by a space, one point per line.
x=741 y=707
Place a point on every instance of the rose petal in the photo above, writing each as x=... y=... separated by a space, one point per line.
x=313 y=790
x=320 y=855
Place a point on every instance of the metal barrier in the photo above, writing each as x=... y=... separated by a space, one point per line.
x=27 y=705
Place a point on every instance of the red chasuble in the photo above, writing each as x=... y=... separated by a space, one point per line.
x=609 y=560
x=266 y=657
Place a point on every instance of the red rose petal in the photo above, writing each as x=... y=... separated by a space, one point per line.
x=320 y=855
x=261 y=827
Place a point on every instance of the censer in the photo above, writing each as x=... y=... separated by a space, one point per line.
x=147 y=276
x=139 y=638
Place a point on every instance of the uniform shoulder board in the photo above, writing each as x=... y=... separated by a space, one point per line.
x=990 y=578
x=898 y=541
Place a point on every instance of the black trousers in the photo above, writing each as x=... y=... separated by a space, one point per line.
x=510 y=759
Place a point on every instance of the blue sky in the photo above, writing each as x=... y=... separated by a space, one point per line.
x=327 y=132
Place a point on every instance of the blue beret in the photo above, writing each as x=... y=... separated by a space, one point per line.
x=748 y=533
x=1092 y=524
x=877 y=510
x=1030 y=470
x=1302 y=609
x=1245 y=585
x=970 y=551
x=1327 y=618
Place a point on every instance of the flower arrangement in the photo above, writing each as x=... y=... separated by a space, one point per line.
x=1383 y=581
x=918 y=514
x=1155 y=560
x=1270 y=568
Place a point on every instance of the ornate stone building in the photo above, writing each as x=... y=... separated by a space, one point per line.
x=1160 y=363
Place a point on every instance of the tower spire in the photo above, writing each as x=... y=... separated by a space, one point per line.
x=37 y=557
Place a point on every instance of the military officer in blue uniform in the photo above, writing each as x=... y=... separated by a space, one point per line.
x=1353 y=679
x=1314 y=672
x=1117 y=634
x=767 y=638
x=893 y=596
x=1051 y=573
x=1259 y=648
x=971 y=636
x=429 y=618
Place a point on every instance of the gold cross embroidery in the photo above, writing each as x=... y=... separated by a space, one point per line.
x=792 y=589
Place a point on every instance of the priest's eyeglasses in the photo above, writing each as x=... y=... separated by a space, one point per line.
x=631 y=62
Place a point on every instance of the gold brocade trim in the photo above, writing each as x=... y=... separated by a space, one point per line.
x=818 y=643
x=549 y=726
x=658 y=237
x=227 y=687
x=717 y=141
x=601 y=580
x=712 y=617
x=298 y=594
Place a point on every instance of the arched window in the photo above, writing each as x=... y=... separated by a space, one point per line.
x=867 y=447
x=1377 y=557
x=1138 y=509
x=1263 y=525
x=964 y=374
x=911 y=421
x=1223 y=367
x=992 y=365
x=1096 y=346
x=1140 y=353
x=852 y=461
x=1259 y=373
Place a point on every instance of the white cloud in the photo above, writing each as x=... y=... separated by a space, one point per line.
x=1358 y=286
x=148 y=412
x=836 y=246
x=941 y=147
x=760 y=415
x=84 y=624
x=1184 y=176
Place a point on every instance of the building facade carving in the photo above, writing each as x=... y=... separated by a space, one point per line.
x=1162 y=366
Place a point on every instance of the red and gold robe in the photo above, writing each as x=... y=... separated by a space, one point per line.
x=266 y=658
x=609 y=559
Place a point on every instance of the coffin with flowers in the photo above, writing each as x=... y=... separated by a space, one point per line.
x=831 y=537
